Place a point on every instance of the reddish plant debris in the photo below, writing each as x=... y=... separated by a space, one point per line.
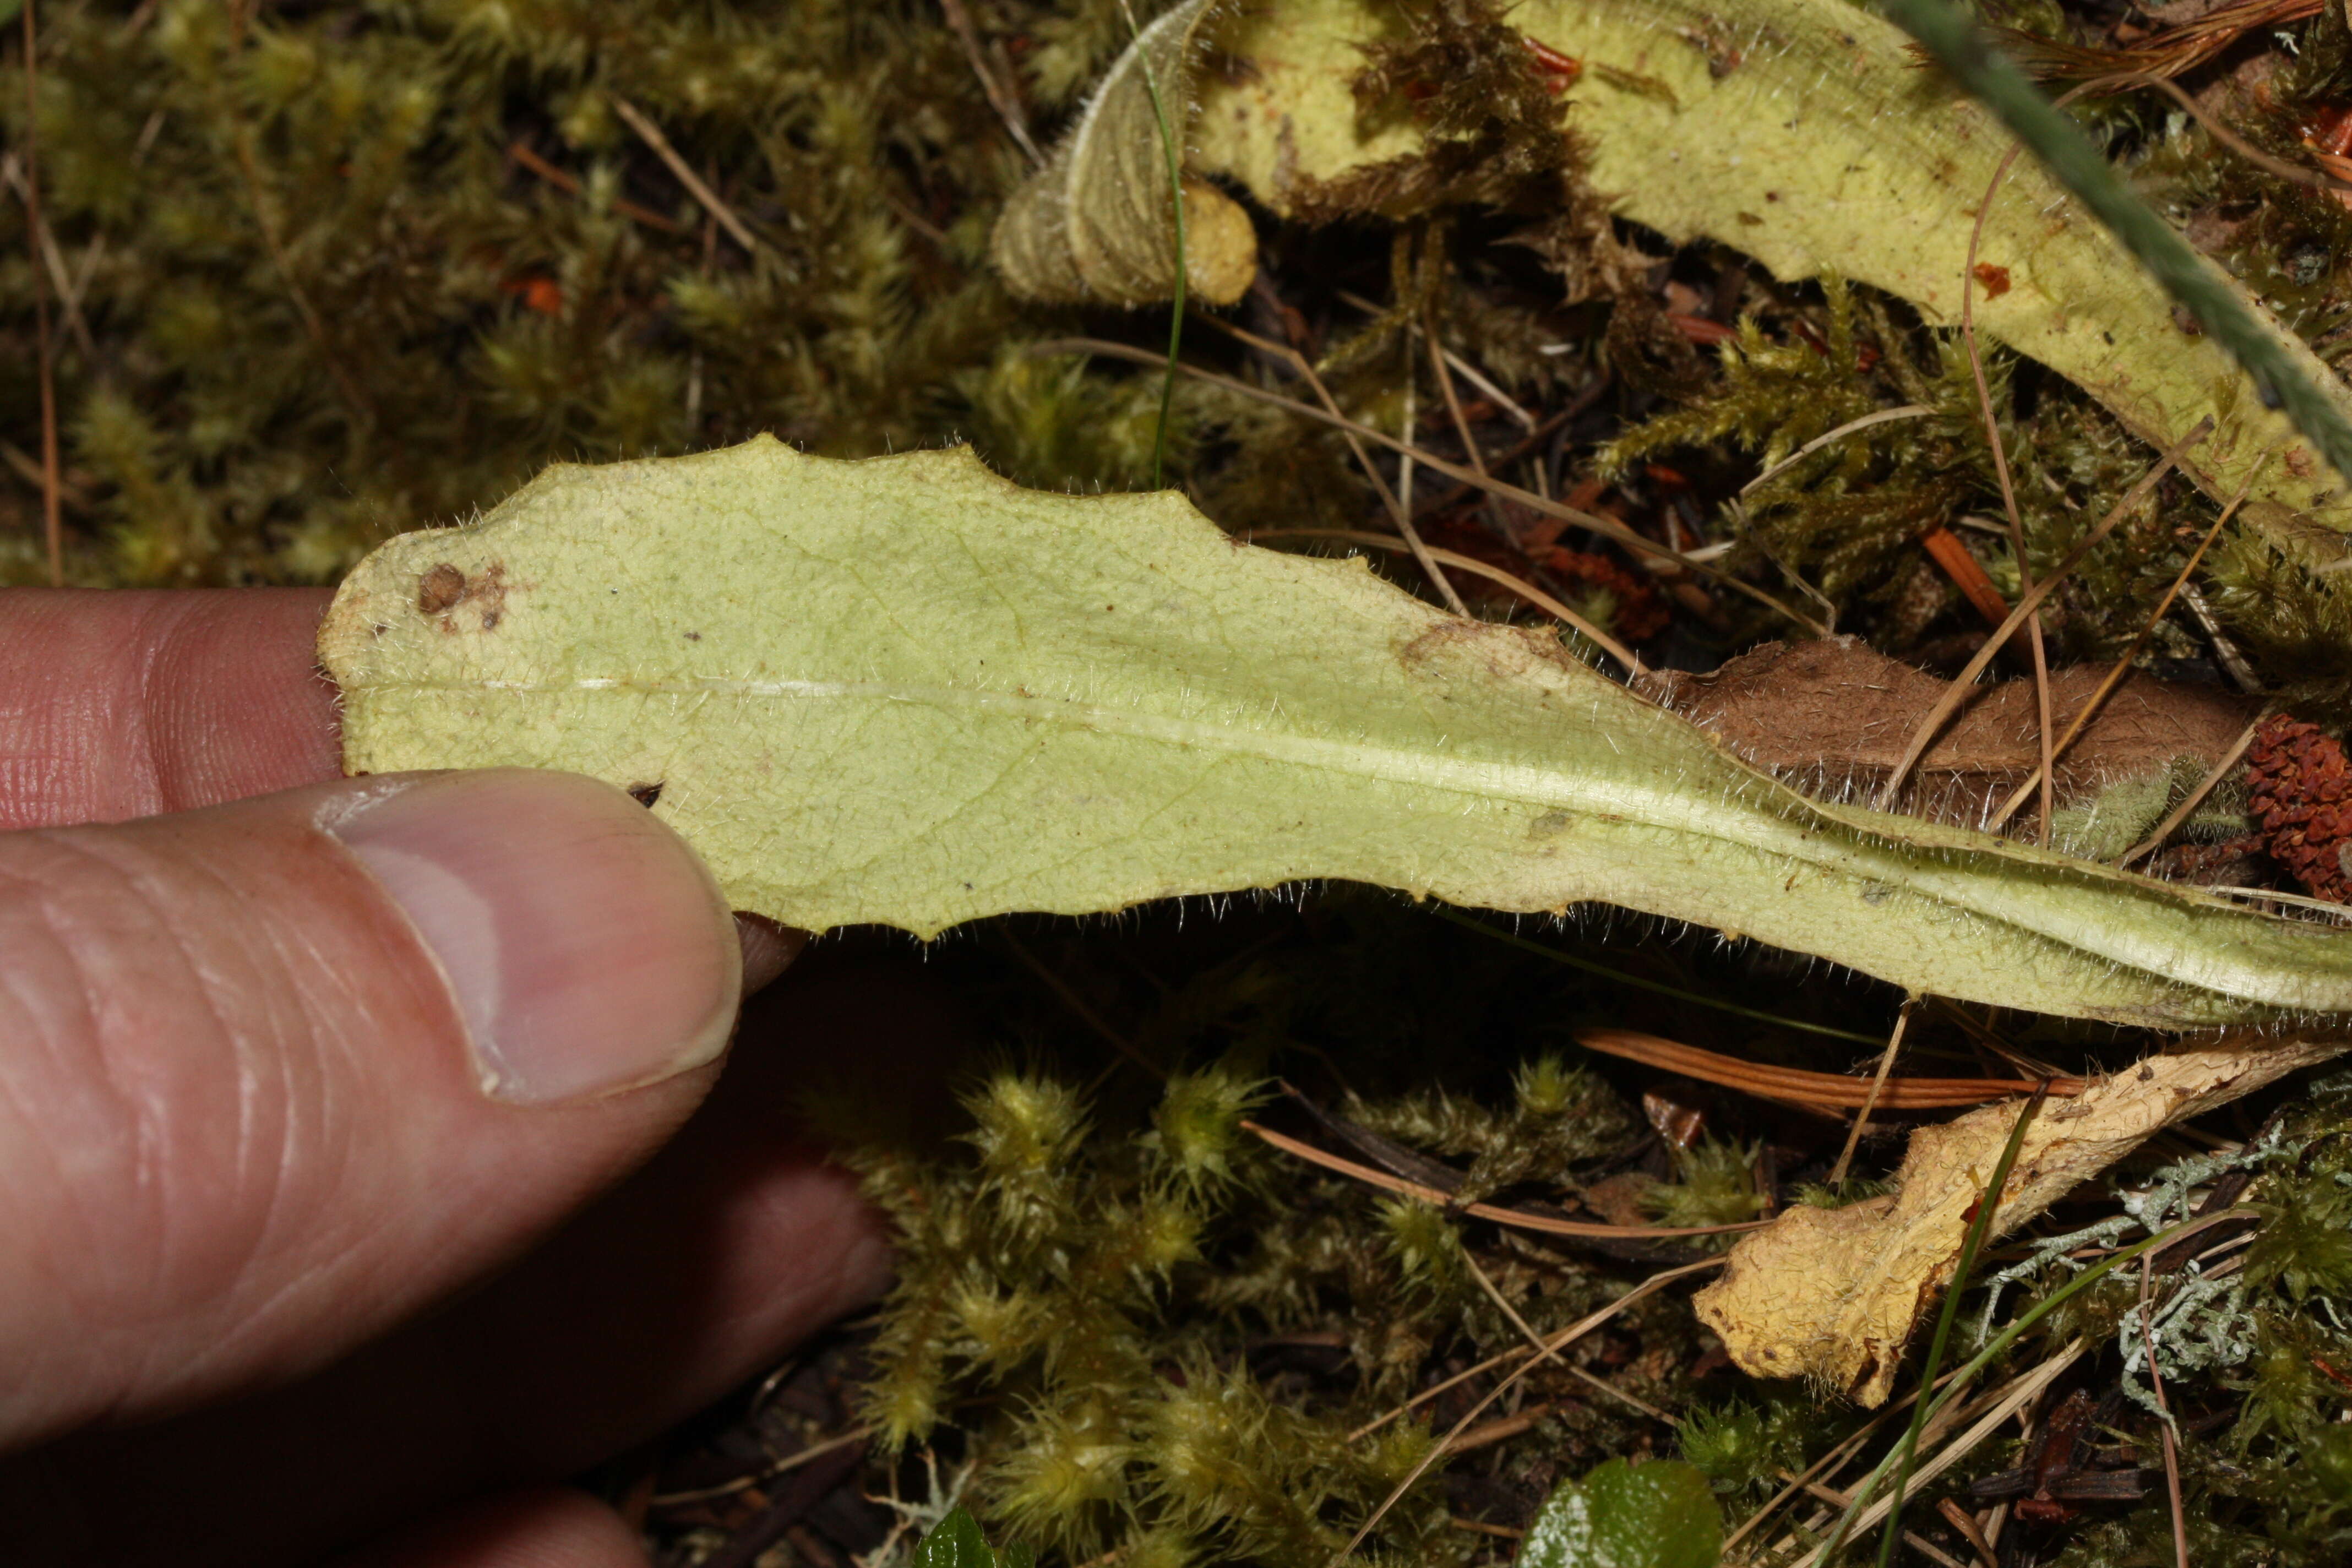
x=1560 y=71
x=1639 y=614
x=2301 y=789
x=544 y=295
x=2329 y=131
x=1948 y=551
x=1701 y=331
x=1994 y=279
x=1637 y=611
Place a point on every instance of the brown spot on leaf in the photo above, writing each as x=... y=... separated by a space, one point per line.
x=489 y=591
x=440 y=589
x=1995 y=279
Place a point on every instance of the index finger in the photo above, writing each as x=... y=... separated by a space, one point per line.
x=118 y=703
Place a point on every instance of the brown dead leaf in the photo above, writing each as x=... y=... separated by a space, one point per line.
x=1833 y=716
x=1832 y=1295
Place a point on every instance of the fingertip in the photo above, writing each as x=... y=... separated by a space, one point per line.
x=768 y=949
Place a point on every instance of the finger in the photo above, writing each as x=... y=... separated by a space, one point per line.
x=546 y=1527
x=731 y=1246
x=275 y=1074
x=119 y=704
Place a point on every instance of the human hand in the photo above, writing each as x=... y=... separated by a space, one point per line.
x=287 y=1060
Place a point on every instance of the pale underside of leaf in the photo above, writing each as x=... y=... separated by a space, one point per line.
x=904 y=691
x=1802 y=132
x=1832 y=1295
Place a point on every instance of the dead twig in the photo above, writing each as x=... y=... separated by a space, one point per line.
x=1000 y=97
x=1877 y=1086
x=1543 y=1225
x=520 y=153
x=651 y=135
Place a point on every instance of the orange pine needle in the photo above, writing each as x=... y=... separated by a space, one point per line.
x=1967 y=573
x=1825 y=1090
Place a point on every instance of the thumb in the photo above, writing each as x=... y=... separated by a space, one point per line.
x=275 y=1074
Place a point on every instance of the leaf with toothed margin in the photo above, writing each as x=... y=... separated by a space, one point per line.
x=905 y=692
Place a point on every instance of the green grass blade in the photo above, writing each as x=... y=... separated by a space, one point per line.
x=1978 y=1228
x=1175 y=195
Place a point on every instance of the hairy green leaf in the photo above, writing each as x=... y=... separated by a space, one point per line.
x=906 y=691
x=1804 y=133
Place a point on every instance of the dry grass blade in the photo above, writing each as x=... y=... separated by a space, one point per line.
x=1492 y=394
x=2172 y=52
x=1608 y=527
x=1961 y=1520
x=1545 y=1351
x=1823 y=1090
x=2021 y=1392
x=2007 y=490
x=2163 y=1411
x=1008 y=109
x=1933 y=724
x=2123 y=667
x=1476 y=567
x=2214 y=775
x=1399 y=507
x=651 y=135
x=1078 y=1005
x=1541 y=1224
x=1877 y=1088
x=1492 y=1361
x=520 y=153
x=790 y=1462
x=1835 y=1459
x=1884 y=416
x=1566 y=1336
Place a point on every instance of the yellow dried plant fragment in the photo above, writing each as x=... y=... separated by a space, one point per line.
x=1832 y=1295
x=906 y=691
x=1096 y=222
